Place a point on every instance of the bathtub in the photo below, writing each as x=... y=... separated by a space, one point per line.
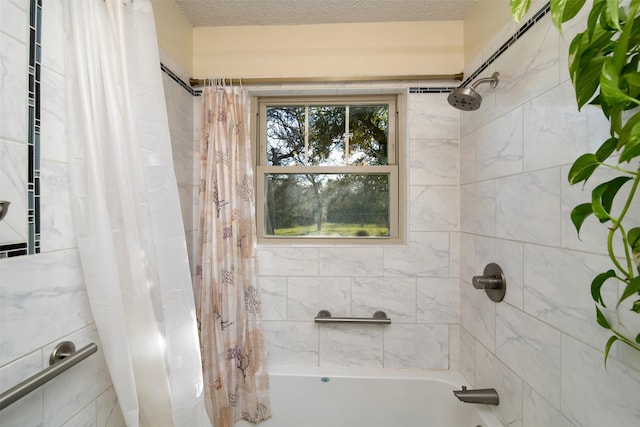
x=318 y=397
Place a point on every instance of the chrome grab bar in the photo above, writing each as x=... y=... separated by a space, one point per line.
x=63 y=356
x=379 y=317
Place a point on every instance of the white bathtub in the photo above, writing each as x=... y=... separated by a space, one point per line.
x=317 y=397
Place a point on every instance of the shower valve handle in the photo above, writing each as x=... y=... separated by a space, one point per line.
x=486 y=282
x=492 y=281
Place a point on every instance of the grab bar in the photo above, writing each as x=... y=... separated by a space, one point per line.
x=63 y=356
x=379 y=317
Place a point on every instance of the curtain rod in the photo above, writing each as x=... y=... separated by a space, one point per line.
x=334 y=79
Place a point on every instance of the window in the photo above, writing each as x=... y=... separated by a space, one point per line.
x=327 y=168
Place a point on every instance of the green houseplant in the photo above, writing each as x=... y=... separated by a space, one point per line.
x=603 y=64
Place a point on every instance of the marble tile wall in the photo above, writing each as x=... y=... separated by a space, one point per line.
x=540 y=348
x=415 y=284
x=42 y=297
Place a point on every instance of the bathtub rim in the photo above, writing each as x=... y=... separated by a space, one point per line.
x=452 y=377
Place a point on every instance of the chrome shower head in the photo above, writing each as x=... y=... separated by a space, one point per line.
x=466 y=98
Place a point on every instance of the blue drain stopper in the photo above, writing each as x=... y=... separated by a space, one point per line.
x=324 y=379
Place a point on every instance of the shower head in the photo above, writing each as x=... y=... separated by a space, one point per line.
x=466 y=98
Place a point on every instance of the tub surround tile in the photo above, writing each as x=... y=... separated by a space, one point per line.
x=555 y=133
x=53 y=53
x=467 y=356
x=288 y=261
x=351 y=346
x=394 y=296
x=469 y=266
x=53 y=113
x=454 y=347
x=537 y=412
x=13 y=187
x=438 y=300
x=431 y=117
x=557 y=284
x=454 y=254
x=108 y=410
x=64 y=397
x=478 y=208
x=530 y=68
x=433 y=208
x=509 y=255
x=351 y=262
x=28 y=410
x=433 y=162
x=479 y=314
x=291 y=343
x=273 y=294
x=85 y=418
x=468 y=158
x=528 y=207
x=531 y=349
x=416 y=346
x=492 y=373
x=56 y=219
x=615 y=399
x=306 y=296
x=42 y=296
x=426 y=256
x=499 y=146
x=13 y=103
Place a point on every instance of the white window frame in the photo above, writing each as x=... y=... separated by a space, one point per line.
x=395 y=167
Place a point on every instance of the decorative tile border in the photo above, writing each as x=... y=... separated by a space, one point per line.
x=178 y=80
x=32 y=246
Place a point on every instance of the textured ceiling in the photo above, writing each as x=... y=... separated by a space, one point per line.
x=214 y=13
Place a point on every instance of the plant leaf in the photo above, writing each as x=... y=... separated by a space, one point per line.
x=610 y=84
x=564 y=10
x=633 y=287
x=596 y=285
x=607 y=347
x=583 y=168
x=636 y=307
x=579 y=214
x=613 y=17
x=638 y=338
x=633 y=238
x=519 y=8
x=631 y=135
x=606 y=149
x=601 y=319
x=603 y=195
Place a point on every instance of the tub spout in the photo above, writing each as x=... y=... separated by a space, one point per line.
x=483 y=396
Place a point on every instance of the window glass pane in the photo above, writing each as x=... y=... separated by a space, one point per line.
x=327 y=205
x=285 y=135
x=368 y=134
x=326 y=135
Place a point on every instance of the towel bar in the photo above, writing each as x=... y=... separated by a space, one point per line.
x=379 y=317
x=62 y=358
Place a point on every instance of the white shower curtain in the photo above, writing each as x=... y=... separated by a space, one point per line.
x=127 y=213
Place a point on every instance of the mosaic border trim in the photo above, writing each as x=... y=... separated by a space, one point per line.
x=506 y=45
x=32 y=246
x=178 y=80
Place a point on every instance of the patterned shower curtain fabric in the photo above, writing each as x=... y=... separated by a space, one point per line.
x=227 y=297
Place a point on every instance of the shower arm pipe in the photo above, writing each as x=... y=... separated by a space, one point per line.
x=330 y=79
x=379 y=317
x=63 y=357
x=493 y=80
